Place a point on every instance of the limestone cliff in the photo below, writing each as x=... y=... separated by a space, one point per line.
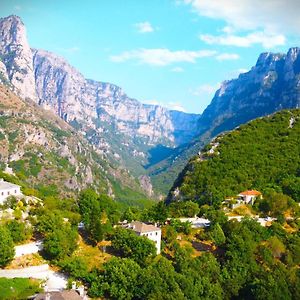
x=16 y=64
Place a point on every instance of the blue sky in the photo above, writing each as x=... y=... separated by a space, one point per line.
x=173 y=53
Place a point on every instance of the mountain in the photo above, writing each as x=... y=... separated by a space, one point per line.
x=263 y=154
x=122 y=128
x=16 y=64
x=271 y=85
x=47 y=154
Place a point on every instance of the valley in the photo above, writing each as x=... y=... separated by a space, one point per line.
x=105 y=197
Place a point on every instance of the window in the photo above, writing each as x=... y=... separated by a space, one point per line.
x=8 y=193
x=156 y=233
x=15 y=191
x=2 y=193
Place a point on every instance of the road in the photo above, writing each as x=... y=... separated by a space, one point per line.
x=54 y=280
x=29 y=248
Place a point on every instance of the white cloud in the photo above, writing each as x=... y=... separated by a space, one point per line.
x=17 y=7
x=162 y=56
x=227 y=56
x=144 y=27
x=274 y=16
x=265 y=39
x=177 y=70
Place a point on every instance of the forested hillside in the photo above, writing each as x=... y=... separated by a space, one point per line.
x=47 y=157
x=263 y=154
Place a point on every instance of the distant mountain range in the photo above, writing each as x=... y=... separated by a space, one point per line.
x=151 y=142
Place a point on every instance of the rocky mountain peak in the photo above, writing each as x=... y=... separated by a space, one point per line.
x=16 y=56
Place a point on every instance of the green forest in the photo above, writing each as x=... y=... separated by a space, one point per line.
x=263 y=155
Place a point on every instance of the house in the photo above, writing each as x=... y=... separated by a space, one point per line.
x=152 y=232
x=8 y=189
x=196 y=222
x=250 y=196
x=57 y=295
x=246 y=197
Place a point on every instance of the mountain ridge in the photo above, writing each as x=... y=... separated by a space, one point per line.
x=271 y=85
x=123 y=129
x=262 y=154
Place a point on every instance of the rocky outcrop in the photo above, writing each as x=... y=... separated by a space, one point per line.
x=16 y=65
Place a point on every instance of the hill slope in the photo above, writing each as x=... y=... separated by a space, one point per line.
x=262 y=154
x=46 y=153
x=271 y=85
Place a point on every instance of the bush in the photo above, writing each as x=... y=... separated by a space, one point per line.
x=7 y=250
x=18 y=231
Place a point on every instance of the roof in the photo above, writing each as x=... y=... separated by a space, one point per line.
x=250 y=193
x=64 y=295
x=142 y=227
x=4 y=185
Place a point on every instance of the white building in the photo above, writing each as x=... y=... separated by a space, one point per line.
x=196 y=222
x=152 y=232
x=250 y=196
x=8 y=189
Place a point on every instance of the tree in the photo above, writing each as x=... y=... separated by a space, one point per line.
x=131 y=245
x=159 y=281
x=7 y=250
x=117 y=280
x=217 y=235
x=169 y=234
x=157 y=213
x=75 y=267
x=18 y=231
x=183 y=209
x=60 y=243
x=276 y=246
x=88 y=205
x=48 y=222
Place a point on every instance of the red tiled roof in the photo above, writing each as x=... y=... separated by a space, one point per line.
x=250 y=193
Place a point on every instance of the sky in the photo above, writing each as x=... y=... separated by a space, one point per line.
x=174 y=53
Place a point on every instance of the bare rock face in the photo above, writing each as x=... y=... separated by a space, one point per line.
x=146 y=185
x=16 y=56
x=271 y=85
x=62 y=88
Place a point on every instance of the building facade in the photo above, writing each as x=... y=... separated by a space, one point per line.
x=8 y=189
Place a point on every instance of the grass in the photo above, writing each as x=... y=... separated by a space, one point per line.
x=93 y=256
x=18 y=288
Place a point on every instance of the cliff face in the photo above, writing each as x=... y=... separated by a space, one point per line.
x=62 y=88
x=271 y=85
x=44 y=151
x=16 y=65
x=120 y=128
